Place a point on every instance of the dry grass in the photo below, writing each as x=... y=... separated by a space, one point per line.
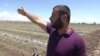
x=24 y=38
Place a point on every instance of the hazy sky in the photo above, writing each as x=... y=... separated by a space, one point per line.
x=81 y=10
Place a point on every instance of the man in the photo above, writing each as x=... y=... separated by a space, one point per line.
x=63 y=40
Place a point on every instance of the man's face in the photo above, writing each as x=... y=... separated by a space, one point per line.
x=55 y=15
x=56 y=19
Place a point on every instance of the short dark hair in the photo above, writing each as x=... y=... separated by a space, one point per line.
x=66 y=10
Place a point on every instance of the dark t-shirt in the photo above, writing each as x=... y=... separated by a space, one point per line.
x=67 y=44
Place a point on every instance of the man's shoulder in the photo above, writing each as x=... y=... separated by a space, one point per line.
x=77 y=36
x=49 y=28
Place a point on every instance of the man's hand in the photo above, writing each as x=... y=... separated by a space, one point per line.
x=22 y=11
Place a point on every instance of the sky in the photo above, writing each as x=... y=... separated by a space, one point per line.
x=87 y=11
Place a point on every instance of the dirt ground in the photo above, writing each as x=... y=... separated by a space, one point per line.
x=6 y=50
x=93 y=43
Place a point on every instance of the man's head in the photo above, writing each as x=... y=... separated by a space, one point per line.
x=60 y=16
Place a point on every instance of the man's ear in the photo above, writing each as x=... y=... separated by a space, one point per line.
x=64 y=17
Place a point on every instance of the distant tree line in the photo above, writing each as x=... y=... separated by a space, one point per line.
x=94 y=23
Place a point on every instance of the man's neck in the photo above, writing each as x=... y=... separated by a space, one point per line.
x=63 y=30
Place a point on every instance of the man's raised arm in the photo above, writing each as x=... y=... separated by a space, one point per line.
x=35 y=19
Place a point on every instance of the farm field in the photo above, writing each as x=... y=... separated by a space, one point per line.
x=26 y=38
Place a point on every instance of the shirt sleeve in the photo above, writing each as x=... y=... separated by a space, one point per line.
x=49 y=28
x=80 y=48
